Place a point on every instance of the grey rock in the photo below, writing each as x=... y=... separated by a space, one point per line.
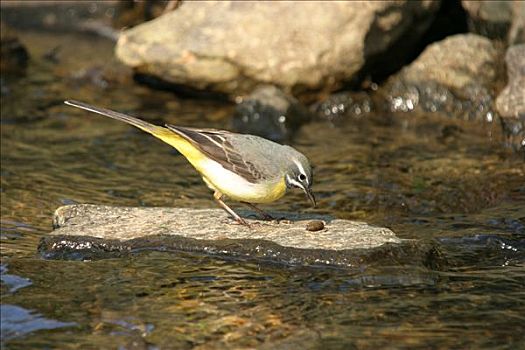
x=454 y=76
x=232 y=46
x=517 y=29
x=511 y=101
x=497 y=19
x=455 y=62
x=89 y=231
x=271 y=113
x=128 y=223
x=488 y=17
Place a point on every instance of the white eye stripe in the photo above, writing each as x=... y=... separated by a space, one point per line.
x=294 y=182
x=299 y=166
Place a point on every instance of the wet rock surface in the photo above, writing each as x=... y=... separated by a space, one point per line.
x=511 y=101
x=454 y=76
x=271 y=113
x=343 y=105
x=233 y=46
x=89 y=231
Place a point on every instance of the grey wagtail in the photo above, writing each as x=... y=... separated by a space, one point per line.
x=245 y=168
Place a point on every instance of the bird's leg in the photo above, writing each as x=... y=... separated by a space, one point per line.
x=261 y=212
x=217 y=195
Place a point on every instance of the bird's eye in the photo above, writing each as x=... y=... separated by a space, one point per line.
x=302 y=177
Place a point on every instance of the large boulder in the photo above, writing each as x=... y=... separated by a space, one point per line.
x=231 y=46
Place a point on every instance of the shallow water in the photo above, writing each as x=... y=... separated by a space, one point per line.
x=425 y=177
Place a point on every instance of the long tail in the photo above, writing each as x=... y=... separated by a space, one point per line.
x=171 y=138
x=141 y=124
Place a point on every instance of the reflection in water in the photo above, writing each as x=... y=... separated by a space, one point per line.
x=17 y=321
x=409 y=173
x=12 y=282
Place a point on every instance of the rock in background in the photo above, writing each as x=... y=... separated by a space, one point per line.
x=271 y=113
x=455 y=76
x=233 y=46
x=489 y=18
x=92 y=17
x=497 y=19
x=13 y=56
x=517 y=29
x=511 y=101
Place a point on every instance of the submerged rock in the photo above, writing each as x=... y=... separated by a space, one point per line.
x=511 y=101
x=454 y=76
x=89 y=231
x=233 y=46
x=270 y=113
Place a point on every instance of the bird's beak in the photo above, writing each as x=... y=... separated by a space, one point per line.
x=310 y=195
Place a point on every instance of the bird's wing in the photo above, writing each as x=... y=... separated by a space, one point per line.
x=217 y=146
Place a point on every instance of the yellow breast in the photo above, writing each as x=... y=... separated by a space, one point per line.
x=236 y=187
x=223 y=180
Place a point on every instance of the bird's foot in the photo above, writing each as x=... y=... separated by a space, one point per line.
x=240 y=221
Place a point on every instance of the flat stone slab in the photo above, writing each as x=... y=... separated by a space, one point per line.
x=91 y=231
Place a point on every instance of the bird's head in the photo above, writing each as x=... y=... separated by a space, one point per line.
x=299 y=175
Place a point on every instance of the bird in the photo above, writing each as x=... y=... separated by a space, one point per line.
x=242 y=167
